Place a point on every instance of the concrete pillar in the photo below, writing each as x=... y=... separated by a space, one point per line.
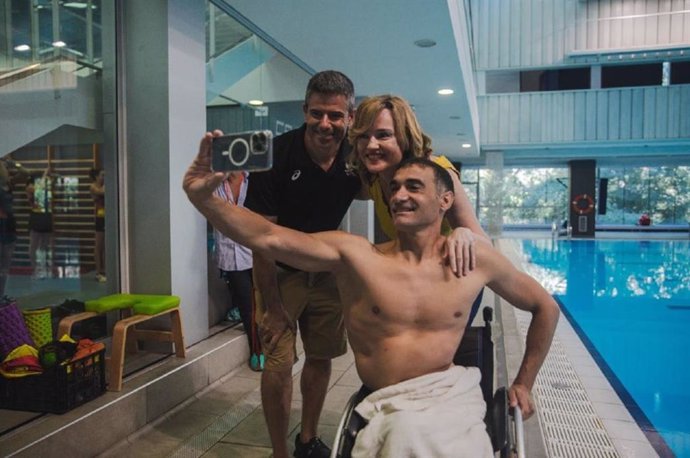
x=165 y=116
x=582 y=199
x=595 y=77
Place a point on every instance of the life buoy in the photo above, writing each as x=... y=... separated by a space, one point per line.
x=583 y=204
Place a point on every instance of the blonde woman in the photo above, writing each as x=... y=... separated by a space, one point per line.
x=385 y=131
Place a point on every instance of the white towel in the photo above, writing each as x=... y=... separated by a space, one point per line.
x=436 y=415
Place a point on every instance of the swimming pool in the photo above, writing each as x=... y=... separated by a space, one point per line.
x=630 y=303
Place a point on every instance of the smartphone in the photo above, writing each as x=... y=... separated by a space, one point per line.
x=250 y=151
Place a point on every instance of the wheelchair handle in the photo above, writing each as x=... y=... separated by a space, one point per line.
x=519 y=433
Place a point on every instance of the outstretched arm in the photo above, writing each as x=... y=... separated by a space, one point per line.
x=523 y=292
x=310 y=252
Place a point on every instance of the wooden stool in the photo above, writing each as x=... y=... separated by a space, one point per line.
x=134 y=309
x=115 y=302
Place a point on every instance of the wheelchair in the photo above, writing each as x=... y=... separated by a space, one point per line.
x=504 y=424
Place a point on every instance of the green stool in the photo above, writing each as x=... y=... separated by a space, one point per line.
x=115 y=302
x=134 y=309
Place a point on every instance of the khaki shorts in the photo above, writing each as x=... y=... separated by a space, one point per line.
x=312 y=300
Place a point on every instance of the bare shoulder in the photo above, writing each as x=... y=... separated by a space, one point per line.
x=490 y=260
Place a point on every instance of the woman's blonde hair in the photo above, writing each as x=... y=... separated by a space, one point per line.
x=412 y=141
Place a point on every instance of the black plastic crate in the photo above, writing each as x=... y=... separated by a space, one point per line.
x=58 y=389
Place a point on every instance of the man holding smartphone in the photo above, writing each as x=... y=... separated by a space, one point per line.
x=308 y=189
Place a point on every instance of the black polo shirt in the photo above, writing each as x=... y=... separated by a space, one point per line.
x=300 y=193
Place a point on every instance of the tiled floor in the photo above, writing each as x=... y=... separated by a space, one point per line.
x=227 y=419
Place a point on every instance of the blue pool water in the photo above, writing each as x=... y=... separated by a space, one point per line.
x=630 y=301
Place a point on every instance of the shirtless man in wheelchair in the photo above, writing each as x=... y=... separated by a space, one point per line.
x=405 y=311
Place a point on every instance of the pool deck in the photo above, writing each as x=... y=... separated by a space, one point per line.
x=579 y=411
x=209 y=404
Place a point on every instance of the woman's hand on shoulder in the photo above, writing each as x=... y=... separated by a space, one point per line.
x=460 y=251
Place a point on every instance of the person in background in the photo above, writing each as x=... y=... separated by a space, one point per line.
x=8 y=222
x=39 y=194
x=97 y=190
x=234 y=263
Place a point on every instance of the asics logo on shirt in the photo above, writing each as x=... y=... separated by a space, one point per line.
x=296 y=174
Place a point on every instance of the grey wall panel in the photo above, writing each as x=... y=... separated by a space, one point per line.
x=637 y=114
x=628 y=114
x=676 y=23
x=580 y=115
x=602 y=116
x=542 y=33
x=524 y=119
x=480 y=19
x=686 y=22
x=548 y=110
x=661 y=118
x=494 y=35
x=503 y=32
x=535 y=118
x=504 y=121
x=515 y=35
x=674 y=112
x=514 y=125
x=684 y=115
x=614 y=115
x=590 y=115
x=591 y=27
x=649 y=111
x=526 y=47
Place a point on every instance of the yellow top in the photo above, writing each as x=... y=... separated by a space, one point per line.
x=383 y=214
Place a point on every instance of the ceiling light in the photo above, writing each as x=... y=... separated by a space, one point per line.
x=445 y=91
x=425 y=43
x=256 y=102
x=22 y=48
x=59 y=44
x=466 y=145
x=77 y=5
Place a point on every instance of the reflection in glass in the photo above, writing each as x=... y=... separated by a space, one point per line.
x=241 y=68
x=661 y=192
x=52 y=123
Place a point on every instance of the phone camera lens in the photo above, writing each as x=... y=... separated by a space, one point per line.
x=259 y=142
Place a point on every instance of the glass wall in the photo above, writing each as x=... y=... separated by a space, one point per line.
x=538 y=196
x=53 y=72
x=661 y=192
x=249 y=86
x=531 y=196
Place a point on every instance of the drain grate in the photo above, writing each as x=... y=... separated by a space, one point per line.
x=571 y=426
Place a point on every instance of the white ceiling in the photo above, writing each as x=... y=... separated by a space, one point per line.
x=373 y=43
